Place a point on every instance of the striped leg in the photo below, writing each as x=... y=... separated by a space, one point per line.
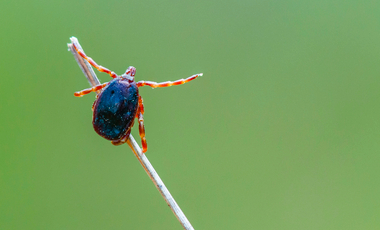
x=139 y=115
x=167 y=83
x=89 y=90
x=93 y=63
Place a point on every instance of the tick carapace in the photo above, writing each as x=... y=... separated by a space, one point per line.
x=119 y=103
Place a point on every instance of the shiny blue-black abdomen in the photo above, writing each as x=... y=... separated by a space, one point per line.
x=115 y=109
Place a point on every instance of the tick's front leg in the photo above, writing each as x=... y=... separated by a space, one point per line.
x=89 y=90
x=93 y=63
x=167 y=83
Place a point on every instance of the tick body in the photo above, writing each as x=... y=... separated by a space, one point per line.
x=119 y=103
x=115 y=109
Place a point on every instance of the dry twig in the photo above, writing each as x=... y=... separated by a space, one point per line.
x=93 y=80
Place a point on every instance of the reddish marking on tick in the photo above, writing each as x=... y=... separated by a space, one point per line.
x=112 y=110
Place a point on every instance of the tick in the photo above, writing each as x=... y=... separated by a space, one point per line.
x=119 y=103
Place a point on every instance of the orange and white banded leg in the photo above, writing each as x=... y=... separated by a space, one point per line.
x=89 y=90
x=167 y=83
x=93 y=63
x=140 y=117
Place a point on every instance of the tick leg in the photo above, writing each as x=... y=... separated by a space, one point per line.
x=141 y=125
x=89 y=90
x=93 y=63
x=167 y=83
x=141 y=106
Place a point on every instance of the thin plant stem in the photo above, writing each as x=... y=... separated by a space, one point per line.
x=93 y=80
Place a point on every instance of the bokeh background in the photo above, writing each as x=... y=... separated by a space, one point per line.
x=281 y=132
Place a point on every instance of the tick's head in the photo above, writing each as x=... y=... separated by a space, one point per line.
x=130 y=73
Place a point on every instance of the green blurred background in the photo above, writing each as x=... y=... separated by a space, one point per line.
x=281 y=132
